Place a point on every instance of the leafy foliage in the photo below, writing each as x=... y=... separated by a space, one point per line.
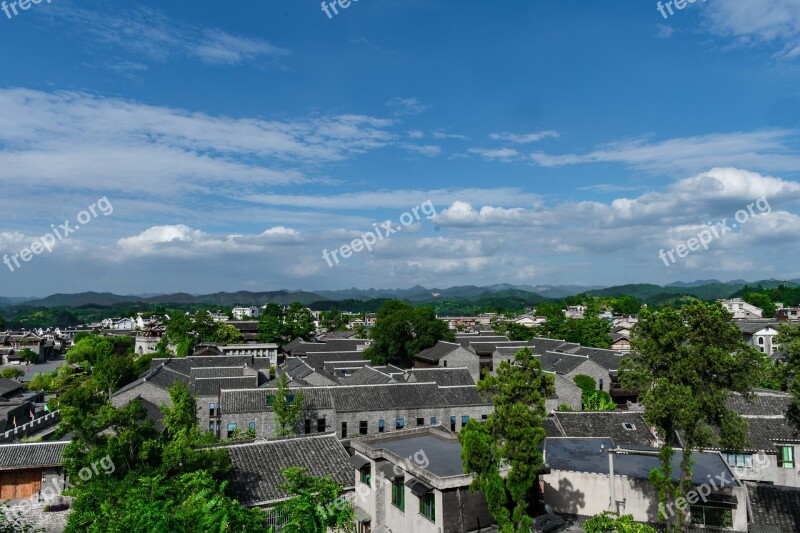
x=288 y=408
x=185 y=332
x=315 y=504
x=402 y=331
x=686 y=364
x=609 y=522
x=509 y=439
x=789 y=339
x=12 y=373
x=283 y=326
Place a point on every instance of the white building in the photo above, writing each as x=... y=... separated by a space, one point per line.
x=741 y=310
x=242 y=313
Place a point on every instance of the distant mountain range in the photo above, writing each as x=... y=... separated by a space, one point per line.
x=704 y=289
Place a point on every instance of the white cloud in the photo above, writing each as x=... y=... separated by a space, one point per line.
x=496 y=154
x=524 y=138
x=761 y=22
x=407 y=106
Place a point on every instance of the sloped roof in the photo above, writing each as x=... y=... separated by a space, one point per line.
x=444 y=377
x=366 y=376
x=774 y=508
x=257 y=468
x=605 y=424
x=561 y=363
x=318 y=359
x=344 y=345
x=437 y=351
x=466 y=340
x=608 y=359
x=32 y=455
x=540 y=345
x=211 y=386
x=763 y=403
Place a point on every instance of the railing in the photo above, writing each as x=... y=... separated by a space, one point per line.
x=29 y=427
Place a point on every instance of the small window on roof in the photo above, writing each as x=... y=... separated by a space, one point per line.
x=628 y=426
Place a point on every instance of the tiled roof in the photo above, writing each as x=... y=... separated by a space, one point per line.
x=608 y=359
x=301 y=347
x=561 y=363
x=540 y=345
x=318 y=359
x=436 y=352
x=217 y=372
x=753 y=327
x=344 y=345
x=765 y=433
x=333 y=368
x=211 y=386
x=366 y=376
x=8 y=386
x=764 y=403
x=605 y=424
x=774 y=507
x=466 y=340
x=444 y=377
x=255 y=400
x=486 y=348
x=33 y=455
x=161 y=376
x=257 y=468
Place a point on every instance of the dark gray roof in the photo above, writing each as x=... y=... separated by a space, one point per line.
x=763 y=403
x=217 y=372
x=437 y=351
x=161 y=376
x=444 y=377
x=751 y=327
x=366 y=376
x=608 y=359
x=567 y=347
x=301 y=347
x=212 y=386
x=359 y=398
x=318 y=359
x=153 y=413
x=774 y=508
x=766 y=433
x=591 y=456
x=540 y=345
x=257 y=468
x=605 y=424
x=9 y=386
x=344 y=345
x=297 y=368
x=333 y=368
x=487 y=348
x=561 y=363
x=466 y=340
x=33 y=455
x=443 y=454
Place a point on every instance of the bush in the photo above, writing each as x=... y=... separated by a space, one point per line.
x=586 y=383
x=565 y=407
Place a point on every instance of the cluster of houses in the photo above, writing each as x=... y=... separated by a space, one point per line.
x=388 y=435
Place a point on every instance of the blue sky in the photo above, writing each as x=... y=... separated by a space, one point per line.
x=560 y=142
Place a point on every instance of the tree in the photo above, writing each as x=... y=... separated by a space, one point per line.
x=514 y=331
x=685 y=365
x=12 y=373
x=283 y=326
x=626 y=305
x=402 y=331
x=42 y=382
x=593 y=399
x=29 y=356
x=288 y=408
x=186 y=331
x=509 y=439
x=608 y=522
x=315 y=505
x=762 y=301
x=113 y=372
x=789 y=339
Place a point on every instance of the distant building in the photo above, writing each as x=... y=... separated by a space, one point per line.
x=242 y=313
x=786 y=314
x=741 y=310
x=761 y=334
x=575 y=311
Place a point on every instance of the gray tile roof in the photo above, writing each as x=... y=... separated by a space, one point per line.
x=318 y=359
x=608 y=359
x=9 y=386
x=33 y=455
x=255 y=400
x=540 y=345
x=764 y=403
x=344 y=345
x=466 y=340
x=212 y=386
x=218 y=372
x=366 y=376
x=444 y=377
x=487 y=348
x=752 y=327
x=301 y=347
x=561 y=363
x=437 y=351
x=605 y=424
x=774 y=508
x=257 y=468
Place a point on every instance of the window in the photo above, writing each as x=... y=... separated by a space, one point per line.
x=464 y=420
x=786 y=457
x=366 y=474
x=453 y=424
x=400 y=423
x=307 y=426
x=344 y=430
x=484 y=417
x=761 y=341
x=628 y=426
x=381 y=426
x=420 y=421
x=270 y=399
x=364 y=527
x=289 y=398
x=362 y=427
x=427 y=506
x=601 y=383
x=321 y=425
x=712 y=516
x=445 y=363
x=231 y=429
x=251 y=426
x=433 y=420
x=211 y=409
x=739 y=460
x=211 y=426
x=399 y=493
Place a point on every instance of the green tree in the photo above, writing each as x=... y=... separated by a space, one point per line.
x=626 y=305
x=186 y=331
x=288 y=408
x=283 y=326
x=762 y=301
x=402 y=331
x=509 y=439
x=609 y=522
x=514 y=331
x=789 y=339
x=42 y=382
x=12 y=373
x=29 y=356
x=315 y=505
x=686 y=364
x=113 y=372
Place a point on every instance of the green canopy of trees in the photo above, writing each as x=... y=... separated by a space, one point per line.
x=283 y=326
x=402 y=331
x=185 y=332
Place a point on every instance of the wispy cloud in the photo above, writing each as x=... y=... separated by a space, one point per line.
x=770 y=150
x=142 y=31
x=407 y=106
x=523 y=138
x=760 y=22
